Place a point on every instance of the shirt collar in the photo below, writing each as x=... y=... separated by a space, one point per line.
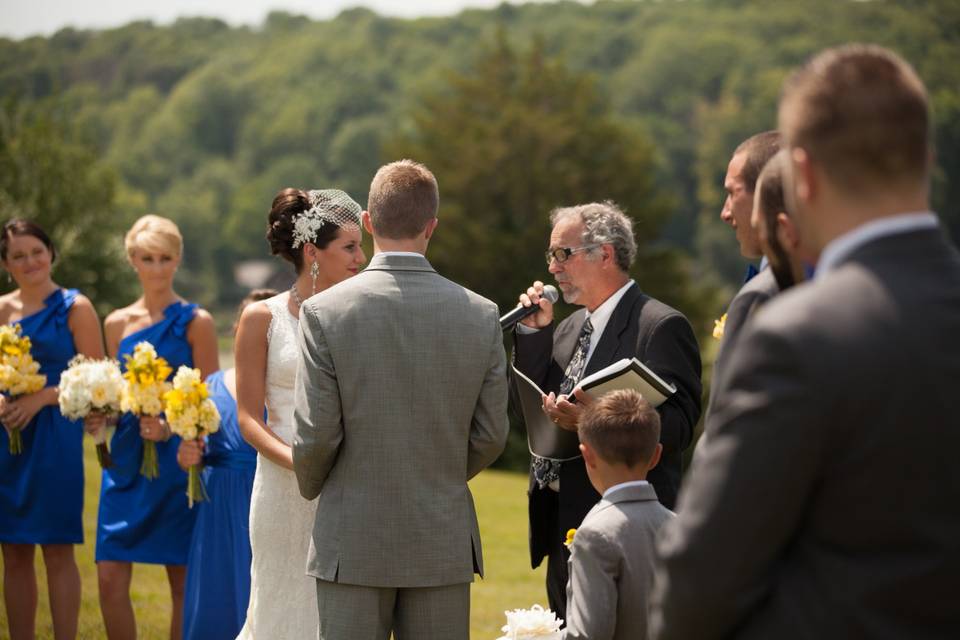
x=841 y=247
x=624 y=485
x=600 y=316
x=401 y=253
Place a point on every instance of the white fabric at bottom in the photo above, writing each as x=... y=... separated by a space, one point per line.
x=283 y=599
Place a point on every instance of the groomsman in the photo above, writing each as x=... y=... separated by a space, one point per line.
x=776 y=231
x=826 y=503
x=740 y=183
x=401 y=398
x=591 y=250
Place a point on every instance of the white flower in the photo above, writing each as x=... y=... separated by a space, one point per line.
x=530 y=624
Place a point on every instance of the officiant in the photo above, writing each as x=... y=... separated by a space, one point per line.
x=591 y=250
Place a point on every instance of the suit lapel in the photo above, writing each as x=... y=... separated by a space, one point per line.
x=565 y=341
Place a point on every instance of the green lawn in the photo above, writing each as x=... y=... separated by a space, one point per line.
x=501 y=506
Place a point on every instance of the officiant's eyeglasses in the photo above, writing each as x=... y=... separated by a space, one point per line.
x=562 y=253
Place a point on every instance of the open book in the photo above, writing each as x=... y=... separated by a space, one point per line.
x=628 y=373
x=547 y=440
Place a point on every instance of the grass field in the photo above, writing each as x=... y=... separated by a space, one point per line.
x=501 y=505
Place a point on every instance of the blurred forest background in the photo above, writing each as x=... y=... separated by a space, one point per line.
x=516 y=109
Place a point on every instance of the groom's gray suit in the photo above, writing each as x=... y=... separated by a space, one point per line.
x=401 y=398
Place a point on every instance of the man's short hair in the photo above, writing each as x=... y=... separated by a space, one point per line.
x=861 y=112
x=621 y=427
x=759 y=149
x=603 y=223
x=403 y=199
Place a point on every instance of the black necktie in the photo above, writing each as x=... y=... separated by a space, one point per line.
x=546 y=471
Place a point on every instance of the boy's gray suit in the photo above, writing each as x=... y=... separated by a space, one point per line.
x=612 y=565
x=401 y=398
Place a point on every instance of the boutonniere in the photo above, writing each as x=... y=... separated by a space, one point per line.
x=569 y=541
x=718 y=326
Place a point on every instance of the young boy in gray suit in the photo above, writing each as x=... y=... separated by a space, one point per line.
x=612 y=553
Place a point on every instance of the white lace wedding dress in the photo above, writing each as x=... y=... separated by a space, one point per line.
x=283 y=599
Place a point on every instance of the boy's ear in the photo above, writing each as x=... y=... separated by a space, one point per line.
x=655 y=458
x=589 y=456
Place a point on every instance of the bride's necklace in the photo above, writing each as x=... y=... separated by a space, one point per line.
x=296 y=296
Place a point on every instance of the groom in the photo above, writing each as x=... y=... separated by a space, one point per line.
x=401 y=398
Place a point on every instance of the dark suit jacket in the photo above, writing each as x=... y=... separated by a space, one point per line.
x=826 y=502
x=640 y=327
x=748 y=300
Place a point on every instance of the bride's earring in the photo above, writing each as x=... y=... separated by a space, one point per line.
x=314 y=272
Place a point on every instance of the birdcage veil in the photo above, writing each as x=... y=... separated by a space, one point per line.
x=326 y=206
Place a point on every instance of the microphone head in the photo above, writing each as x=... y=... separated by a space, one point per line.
x=550 y=293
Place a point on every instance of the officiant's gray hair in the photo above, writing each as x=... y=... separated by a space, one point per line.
x=603 y=223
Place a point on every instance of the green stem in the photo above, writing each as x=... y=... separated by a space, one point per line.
x=149 y=468
x=16 y=442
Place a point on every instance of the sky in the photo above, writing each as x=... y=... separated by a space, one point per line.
x=23 y=18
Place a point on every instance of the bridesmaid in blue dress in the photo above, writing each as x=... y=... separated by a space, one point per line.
x=41 y=489
x=143 y=520
x=218 y=568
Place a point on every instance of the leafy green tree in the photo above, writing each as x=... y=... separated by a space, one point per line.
x=49 y=176
x=511 y=139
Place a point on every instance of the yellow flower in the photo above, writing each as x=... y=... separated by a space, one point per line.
x=569 y=541
x=718 y=326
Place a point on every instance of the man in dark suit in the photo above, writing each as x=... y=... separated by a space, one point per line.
x=740 y=183
x=591 y=250
x=826 y=503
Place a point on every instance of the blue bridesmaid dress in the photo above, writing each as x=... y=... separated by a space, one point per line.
x=143 y=520
x=41 y=489
x=218 y=570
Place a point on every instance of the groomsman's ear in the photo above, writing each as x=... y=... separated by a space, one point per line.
x=804 y=176
x=367 y=223
x=589 y=456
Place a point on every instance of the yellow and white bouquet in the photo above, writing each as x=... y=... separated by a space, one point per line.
x=146 y=378
x=191 y=415
x=88 y=387
x=535 y=623
x=19 y=372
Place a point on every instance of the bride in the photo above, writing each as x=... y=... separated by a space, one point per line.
x=319 y=232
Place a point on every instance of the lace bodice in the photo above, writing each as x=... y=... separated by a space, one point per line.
x=281 y=367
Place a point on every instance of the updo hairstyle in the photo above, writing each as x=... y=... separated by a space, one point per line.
x=287 y=205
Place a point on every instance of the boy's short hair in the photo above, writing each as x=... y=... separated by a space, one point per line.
x=621 y=427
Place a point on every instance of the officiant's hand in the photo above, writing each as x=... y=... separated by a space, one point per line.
x=565 y=414
x=544 y=316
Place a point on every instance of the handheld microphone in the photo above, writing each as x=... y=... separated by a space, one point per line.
x=518 y=314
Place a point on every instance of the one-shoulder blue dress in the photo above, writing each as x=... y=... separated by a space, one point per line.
x=218 y=571
x=41 y=489
x=143 y=520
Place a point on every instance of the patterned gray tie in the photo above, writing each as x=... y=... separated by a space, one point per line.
x=546 y=471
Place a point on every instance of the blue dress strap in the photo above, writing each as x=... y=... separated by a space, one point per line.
x=182 y=316
x=62 y=301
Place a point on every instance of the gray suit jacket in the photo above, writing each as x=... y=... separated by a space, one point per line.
x=611 y=566
x=826 y=503
x=401 y=398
